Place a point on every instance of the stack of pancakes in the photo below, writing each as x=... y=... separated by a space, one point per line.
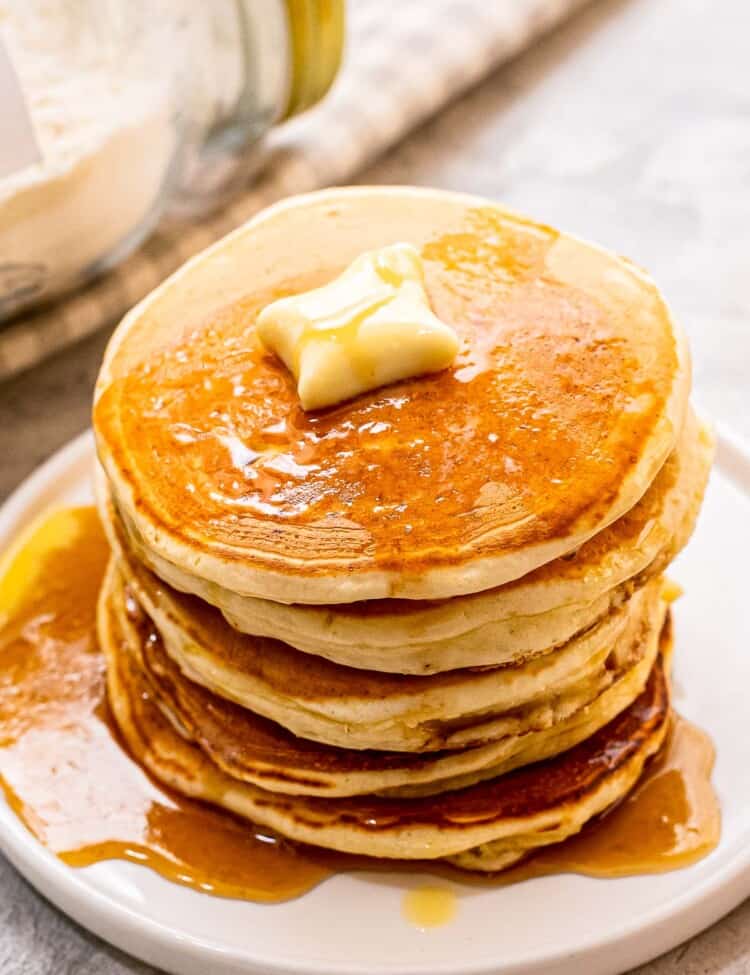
x=428 y=622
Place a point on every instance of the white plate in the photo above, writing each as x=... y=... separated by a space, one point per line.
x=353 y=924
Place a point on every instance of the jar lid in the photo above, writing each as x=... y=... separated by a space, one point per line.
x=316 y=30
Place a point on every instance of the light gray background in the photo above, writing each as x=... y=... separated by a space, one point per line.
x=631 y=126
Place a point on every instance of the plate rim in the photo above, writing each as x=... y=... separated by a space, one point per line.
x=160 y=944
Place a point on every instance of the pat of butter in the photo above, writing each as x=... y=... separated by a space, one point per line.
x=371 y=326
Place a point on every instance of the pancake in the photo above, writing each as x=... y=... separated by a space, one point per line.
x=503 y=625
x=566 y=398
x=251 y=748
x=532 y=806
x=354 y=708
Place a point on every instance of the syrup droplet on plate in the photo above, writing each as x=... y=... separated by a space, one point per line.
x=429 y=907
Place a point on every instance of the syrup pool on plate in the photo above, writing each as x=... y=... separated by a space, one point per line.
x=67 y=776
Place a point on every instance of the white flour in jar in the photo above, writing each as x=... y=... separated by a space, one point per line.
x=103 y=126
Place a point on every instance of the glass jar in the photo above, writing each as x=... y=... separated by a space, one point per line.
x=117 y=111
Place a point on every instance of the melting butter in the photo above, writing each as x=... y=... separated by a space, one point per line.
x=371 y=326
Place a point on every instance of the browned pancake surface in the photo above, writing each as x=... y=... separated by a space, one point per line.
x=522 y=793
x=244 y=739
x=526 y=792
x=531 y=431
x=621 y=534
x=313 y=678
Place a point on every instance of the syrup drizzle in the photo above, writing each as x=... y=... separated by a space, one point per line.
x=545 y=329
x=69 y=779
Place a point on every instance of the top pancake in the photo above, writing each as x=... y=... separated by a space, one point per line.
x=567 y=395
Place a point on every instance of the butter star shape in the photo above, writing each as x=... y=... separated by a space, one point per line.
x=371 y=326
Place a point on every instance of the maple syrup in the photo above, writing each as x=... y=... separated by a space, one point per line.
x=67 y=776
x=429 y=906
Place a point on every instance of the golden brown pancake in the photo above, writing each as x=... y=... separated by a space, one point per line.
x=249 y=747
x=423 y=623
x=355 y=708
x=567 y=396
x=507 y=624
x=531 y=806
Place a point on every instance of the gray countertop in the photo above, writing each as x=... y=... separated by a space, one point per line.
x=631 y=126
